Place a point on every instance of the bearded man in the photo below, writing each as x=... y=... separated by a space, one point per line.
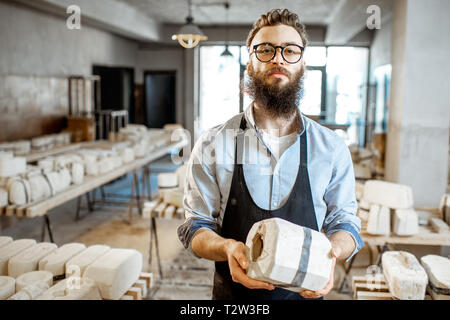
x=276 y=163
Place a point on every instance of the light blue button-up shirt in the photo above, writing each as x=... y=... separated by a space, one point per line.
x=269 y=180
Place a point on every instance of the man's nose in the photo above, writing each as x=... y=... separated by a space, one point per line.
x=278 y=59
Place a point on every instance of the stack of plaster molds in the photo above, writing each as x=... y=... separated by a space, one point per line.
x=12 y=166
x=55 y=262
x=170 y=201
x=438 y=270
x=12 y=249
x=115 y=272
x=28 y=260
x=96 y=272
x=33 y=277
x=406 y=278
x=382 y=197
x=288 y=255
x=7 y=287
x=18 y=148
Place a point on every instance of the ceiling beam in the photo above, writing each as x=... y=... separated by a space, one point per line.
x=113 y=16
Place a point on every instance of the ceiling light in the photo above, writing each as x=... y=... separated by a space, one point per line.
x=189 y=35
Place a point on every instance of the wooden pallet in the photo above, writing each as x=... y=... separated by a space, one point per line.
x=140 y=288
x=366 y=288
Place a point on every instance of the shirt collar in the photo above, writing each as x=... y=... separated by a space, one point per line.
x=248 y=113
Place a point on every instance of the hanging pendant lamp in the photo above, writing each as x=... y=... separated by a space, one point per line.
x=226 y=53
x=189 y=35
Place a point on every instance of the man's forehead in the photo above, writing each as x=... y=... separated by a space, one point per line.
x=278 y=35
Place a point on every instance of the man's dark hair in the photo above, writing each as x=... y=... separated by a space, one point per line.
x=277 y=17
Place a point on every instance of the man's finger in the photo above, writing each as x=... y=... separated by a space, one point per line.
x=238 y=275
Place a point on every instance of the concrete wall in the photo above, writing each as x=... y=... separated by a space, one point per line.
x=419 y=115
x=37 y=52
x=380 y=50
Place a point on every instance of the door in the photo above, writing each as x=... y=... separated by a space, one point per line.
x=159 y=98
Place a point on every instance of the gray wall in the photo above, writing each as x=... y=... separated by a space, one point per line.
x=37 y=52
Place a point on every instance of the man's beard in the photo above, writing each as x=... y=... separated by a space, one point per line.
x=275 y=100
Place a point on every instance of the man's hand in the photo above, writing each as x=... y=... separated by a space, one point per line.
x=238 y=263
x=335 y=253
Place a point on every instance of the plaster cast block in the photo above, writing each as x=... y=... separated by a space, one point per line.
x=3 y=197
x=40 y=187
x=5 y=240
x=19 y=191
x=438 y=271
x=7 y=287
x=77 y=172
x=406 y=278
x=47 y=164
x=169 y=212
x=405 y=222
x=86 y=257
x=84 y=289
x=379 y=222
x=149 y=206
x=288 y=255
x=167 y=180
x=392 y=195
x=33 y=277
x=115 y=272
x=10 y=167
x=439 y=225
x=31 y=292
x=364 y=205
x=173 y=196
x=28 y=260
x=10 y=250
x=65 y=178
x=127 y=155
x=55 y=262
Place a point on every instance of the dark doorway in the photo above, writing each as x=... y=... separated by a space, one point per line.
x=159 y=98
x=116 y=89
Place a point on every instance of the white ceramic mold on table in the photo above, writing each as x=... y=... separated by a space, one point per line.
x=438 y=271
x=289 y=255
x=33 y=277
x=55 y=262
x=379 y=221
x=85 y=258
x=406 y=278
x=7 y=287
x=405 y=222
x=5 y=240
x=3 y=197
x=392 y=195
x=115 y=272
x=10 y=167
x=28 y=260
x=10 y=250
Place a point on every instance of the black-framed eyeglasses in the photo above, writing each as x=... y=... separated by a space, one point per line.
x=265 y=52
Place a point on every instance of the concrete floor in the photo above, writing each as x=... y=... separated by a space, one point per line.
x=184 y=276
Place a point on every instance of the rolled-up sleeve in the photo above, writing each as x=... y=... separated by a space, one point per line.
x=201 y=193
x=341 y=199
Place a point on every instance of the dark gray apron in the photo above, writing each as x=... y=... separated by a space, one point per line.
x=241 y=213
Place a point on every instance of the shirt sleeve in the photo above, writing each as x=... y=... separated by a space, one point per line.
x=341 y=199
x=201 y=192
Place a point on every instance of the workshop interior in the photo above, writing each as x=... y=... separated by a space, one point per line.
x=102 y=102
